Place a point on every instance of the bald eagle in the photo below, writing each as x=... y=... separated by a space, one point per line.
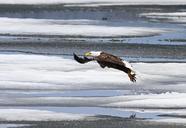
x=107 y=60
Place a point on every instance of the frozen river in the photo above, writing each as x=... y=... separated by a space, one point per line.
x=40 y=81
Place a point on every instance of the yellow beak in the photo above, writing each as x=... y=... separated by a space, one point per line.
x=87 y=54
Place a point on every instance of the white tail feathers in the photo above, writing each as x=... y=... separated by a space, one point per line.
x=127 y=64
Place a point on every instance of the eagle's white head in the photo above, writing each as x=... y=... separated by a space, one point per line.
x=92 y=53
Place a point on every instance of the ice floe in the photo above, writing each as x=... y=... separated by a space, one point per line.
x=36 y=115
x=141 y=101
x=172 y=120
x=84 y=28
x=172 y=17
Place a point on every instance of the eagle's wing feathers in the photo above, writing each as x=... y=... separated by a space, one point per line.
x=105 y=57
x=82 y=60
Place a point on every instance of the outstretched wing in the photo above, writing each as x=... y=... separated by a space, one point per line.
x=109 y=58
x=82 y=60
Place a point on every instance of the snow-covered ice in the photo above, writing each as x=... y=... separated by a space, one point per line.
x=142 y=101
x=172 y=17
x=85 y=28
x=13 y=125
x=172 y=120
x=37 y=115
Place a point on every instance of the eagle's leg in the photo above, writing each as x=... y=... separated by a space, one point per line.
x=101 y=64
x=132 y=76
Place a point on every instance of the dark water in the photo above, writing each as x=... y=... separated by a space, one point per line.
x=134 y=52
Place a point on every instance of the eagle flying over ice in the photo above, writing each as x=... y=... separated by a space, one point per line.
x=107 y=60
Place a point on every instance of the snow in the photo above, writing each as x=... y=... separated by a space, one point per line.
x=97 y=2
x=172 y=120
x=172 y=14
x=142 y=101
x=36 y=115
x=85 y=28
x=13 y=125
x=173 y=17
x=157 y=101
